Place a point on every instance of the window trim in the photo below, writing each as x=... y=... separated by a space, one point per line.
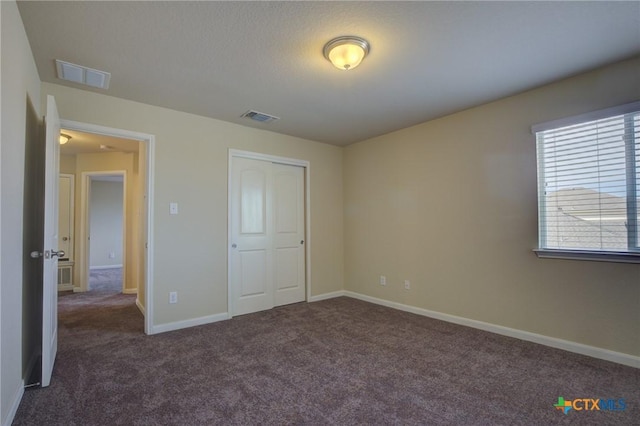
x=598 y=256
x=589 y=116
x=593 y=255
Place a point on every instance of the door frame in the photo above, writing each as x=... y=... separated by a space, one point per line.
x=307 y=213
x=85 y=225
x=150 y=142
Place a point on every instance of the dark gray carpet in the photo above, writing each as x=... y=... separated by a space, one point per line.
x=339 y=361
x=106 y=280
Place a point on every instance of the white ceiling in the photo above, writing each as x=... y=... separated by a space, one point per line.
x=428 y=59
x=87 y=143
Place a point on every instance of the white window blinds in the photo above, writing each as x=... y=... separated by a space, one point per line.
x=589 y=183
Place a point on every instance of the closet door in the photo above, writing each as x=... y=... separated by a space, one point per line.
x=251 y=236
x=267 y=256
x=288 y=234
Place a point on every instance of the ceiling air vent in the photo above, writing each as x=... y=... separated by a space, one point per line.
x=82 y=75
x=260 y=116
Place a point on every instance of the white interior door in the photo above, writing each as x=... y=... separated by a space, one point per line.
x=50 y=269
x=65 y=215
x=267 y=256
x=288 y=234
x=251 y=254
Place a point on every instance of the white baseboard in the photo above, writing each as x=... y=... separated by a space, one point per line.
x=15 y=403
x=130 y=291
x=91 y=268
x=177 y=325
x=140 y=307
x=326 y=296
x=77 y=289
x=579 y=348
x=65 y=287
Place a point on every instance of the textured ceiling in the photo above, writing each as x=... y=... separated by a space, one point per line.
x=87 y=143
x=428 y=59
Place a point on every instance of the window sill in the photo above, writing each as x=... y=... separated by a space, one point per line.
x=598 y=256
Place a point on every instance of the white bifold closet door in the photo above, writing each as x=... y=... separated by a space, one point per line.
x=267 y=235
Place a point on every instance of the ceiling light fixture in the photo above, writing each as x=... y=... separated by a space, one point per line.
x=346 y=52
x=64 y=138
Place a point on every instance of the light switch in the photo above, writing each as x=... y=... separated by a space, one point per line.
x=173 y=208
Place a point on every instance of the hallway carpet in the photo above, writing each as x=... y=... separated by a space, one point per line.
x=106 y=280
x=339 y=362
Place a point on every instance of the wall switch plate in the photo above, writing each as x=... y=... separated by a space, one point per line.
x=173 y=208
x=383 y=280
x=407 y=285
x=173 y=297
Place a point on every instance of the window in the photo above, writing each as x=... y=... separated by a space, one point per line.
x=589 y=185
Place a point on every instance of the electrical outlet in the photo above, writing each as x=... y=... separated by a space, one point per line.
x=173 y=297
x=407 y=285
x=383 y=280
x=112 y=255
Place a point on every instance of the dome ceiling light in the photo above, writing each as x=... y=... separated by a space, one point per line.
x=64 y=138
x=346 y=52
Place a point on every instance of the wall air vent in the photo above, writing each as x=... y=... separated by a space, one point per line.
x=82 y=75
x=260 y=116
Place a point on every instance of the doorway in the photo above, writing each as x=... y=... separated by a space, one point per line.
x=137 y=235
x=106 y=220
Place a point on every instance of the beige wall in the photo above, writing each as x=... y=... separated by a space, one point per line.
x=451 y=206
x=191 y=157
x=20 y=84
x=68 y=164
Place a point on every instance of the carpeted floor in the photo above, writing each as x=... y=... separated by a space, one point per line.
x=339 y=361
x=106 y=280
